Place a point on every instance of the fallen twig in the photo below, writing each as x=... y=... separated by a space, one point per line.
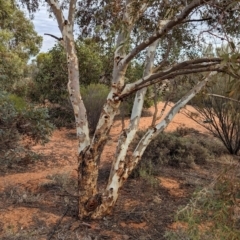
x=57 y=224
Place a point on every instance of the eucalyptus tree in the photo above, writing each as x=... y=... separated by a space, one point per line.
x=162 y=19
x=18 y=42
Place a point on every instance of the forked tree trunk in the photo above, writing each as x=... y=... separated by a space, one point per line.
x=127 y=135
x=92 y=203
x=123 y=167
x=89 y=204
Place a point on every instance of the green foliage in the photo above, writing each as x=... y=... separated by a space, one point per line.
x=9 y=135
x=62 y=116
x=94 y=96
x=177 y=149
x=18 y=42
x=90 y=59
x=213 y=212
x=52 y=76
x=18 y=102
x=51 y=79
x=18 y=121
x=23 y=88
x=33 y=122
x=107 y=21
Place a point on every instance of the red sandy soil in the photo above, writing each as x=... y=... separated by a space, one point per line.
x=18 y=216
x=63 y=150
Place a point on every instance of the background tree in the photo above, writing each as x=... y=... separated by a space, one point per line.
x=171 y=15
x=51 y=78
x=18 y=121
x=18 y=42
x=18 y=118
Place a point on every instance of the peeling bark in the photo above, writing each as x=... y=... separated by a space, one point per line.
x=92 y=203
x=123 y=167
x=154 y=131
x=186 y=67
x=117 y=177
x=87 y=167
x=109 y=111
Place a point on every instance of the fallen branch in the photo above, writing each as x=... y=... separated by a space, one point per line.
x=57 y=224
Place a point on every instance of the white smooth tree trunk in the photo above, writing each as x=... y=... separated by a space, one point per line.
x=123 y=166
x=116 y=179
x=154 y=131
x=92 y=203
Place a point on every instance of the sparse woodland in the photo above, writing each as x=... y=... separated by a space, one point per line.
x=128 y=56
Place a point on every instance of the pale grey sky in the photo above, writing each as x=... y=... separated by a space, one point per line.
x=44 y=24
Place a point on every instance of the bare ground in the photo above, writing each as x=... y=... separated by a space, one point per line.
x=38 y=200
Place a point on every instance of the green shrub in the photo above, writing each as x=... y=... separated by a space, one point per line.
x=18 y=102
x=125 y=108
x=9 y=135
x=51 y=78
x=212 y=144
x=23 y=87
x=94 y=97
x=33 y=122
x=17 y=122
x=213 y=212
x=62 y=116
x=173 y=149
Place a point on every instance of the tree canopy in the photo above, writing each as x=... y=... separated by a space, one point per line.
x=18 y=42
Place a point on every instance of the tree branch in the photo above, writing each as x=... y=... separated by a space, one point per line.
x=57 y=38
x=164 y=30
x=196 y=20
x=54 y=4
x=71 y=11
x=162 y=75
x=128 y=90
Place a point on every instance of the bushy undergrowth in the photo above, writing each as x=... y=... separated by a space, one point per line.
x=18 y=120
x=177 y=149
x=214 y=212
x=94 y=97
x=62 y=116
